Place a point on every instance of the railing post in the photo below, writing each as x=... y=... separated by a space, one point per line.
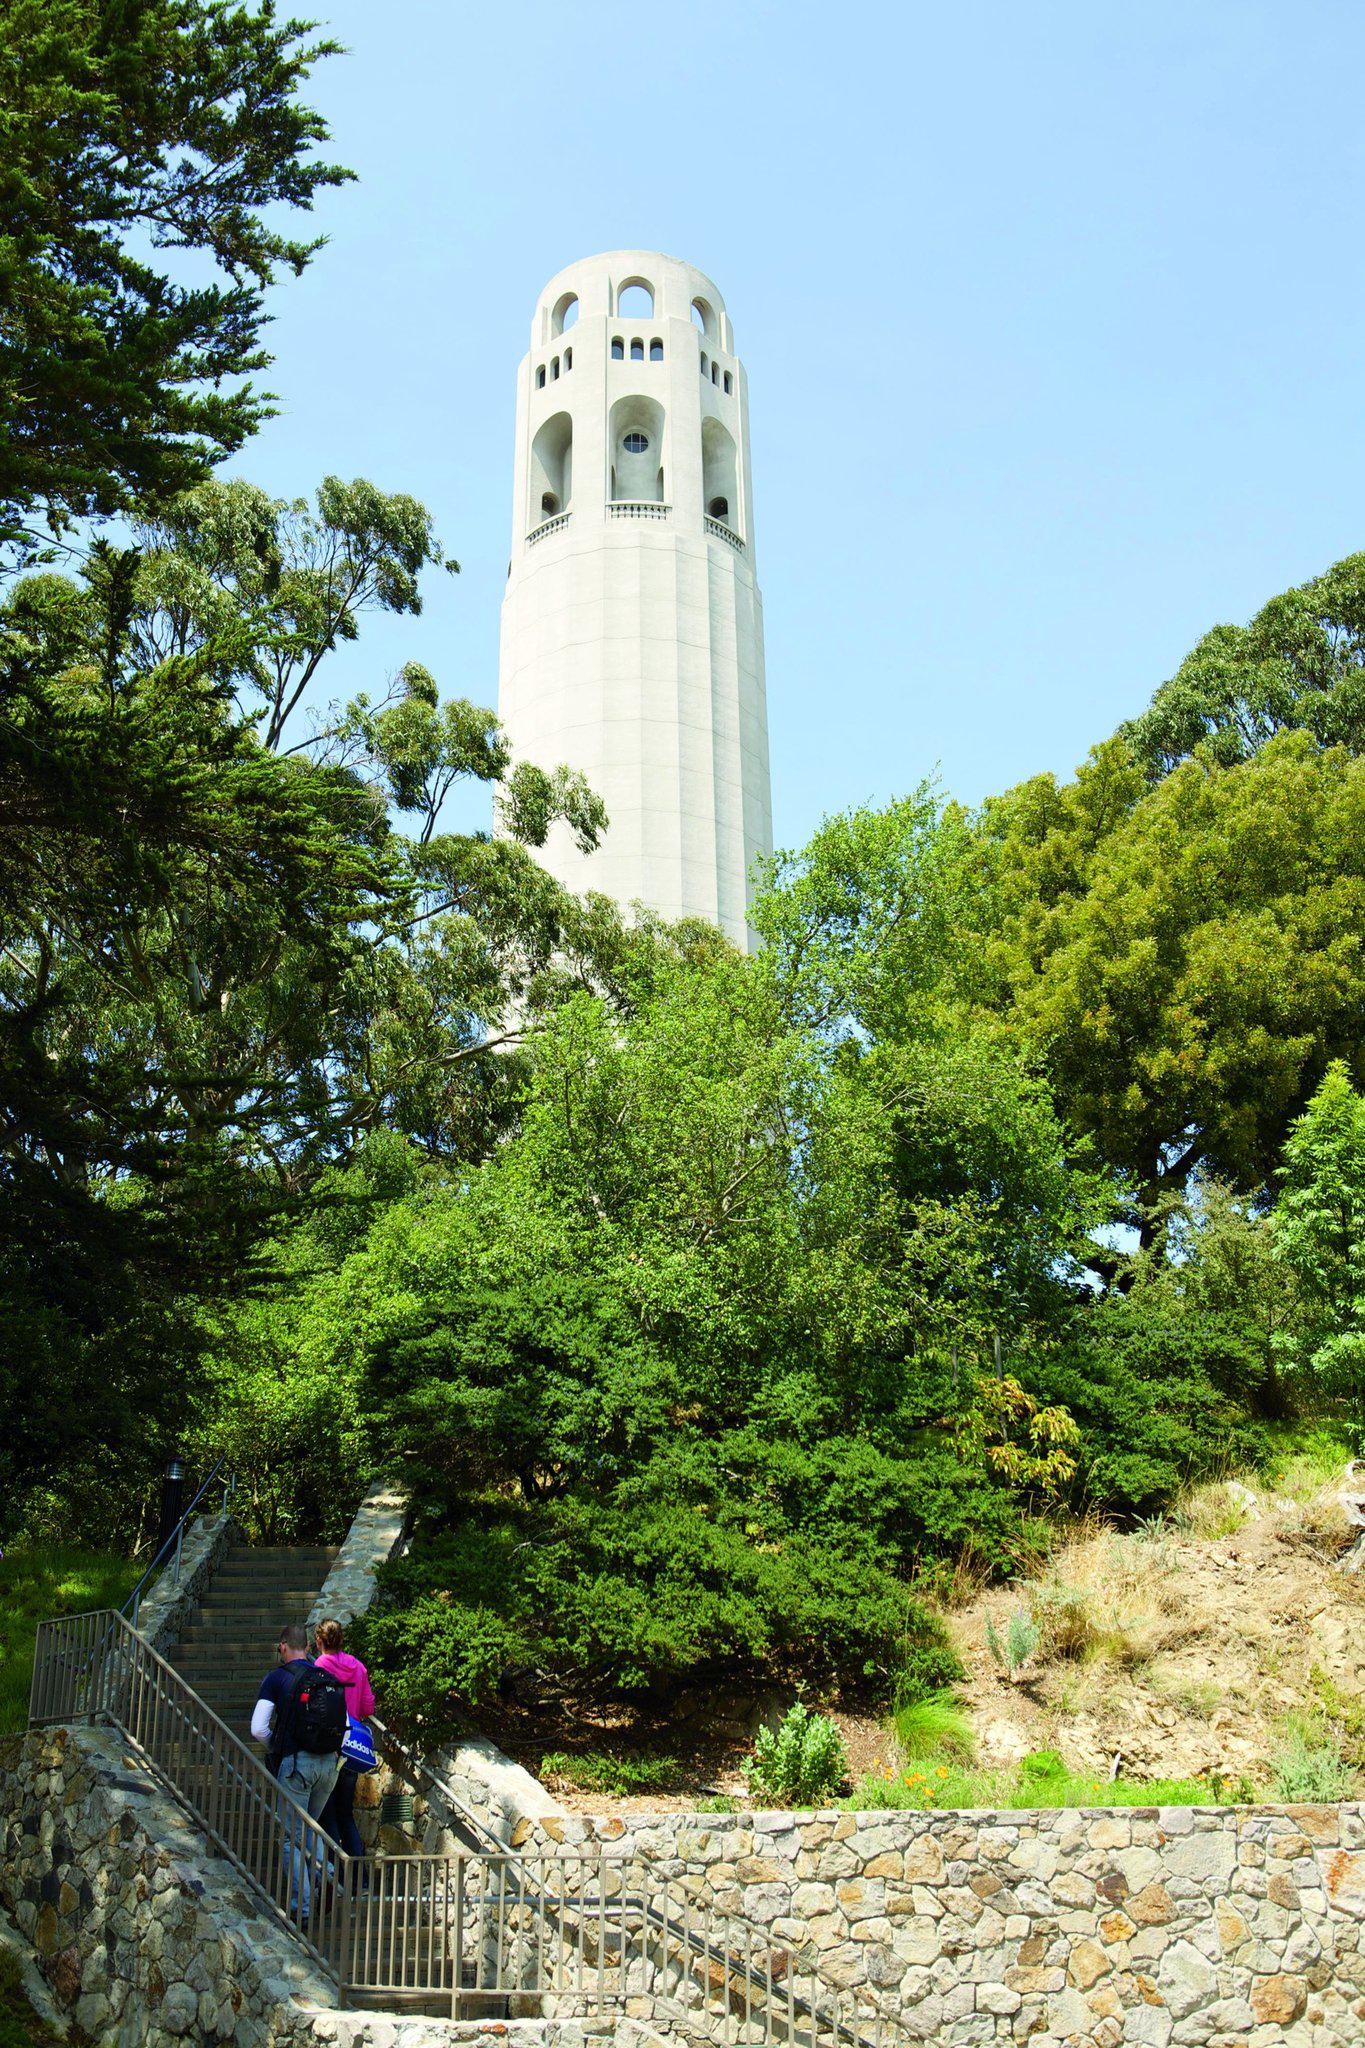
x=347 y=1875
x=457 y=1971
x=37 y=1691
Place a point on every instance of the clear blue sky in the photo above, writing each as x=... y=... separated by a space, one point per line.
x=1052 y=315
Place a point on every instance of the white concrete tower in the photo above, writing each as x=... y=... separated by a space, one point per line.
x=632 y=628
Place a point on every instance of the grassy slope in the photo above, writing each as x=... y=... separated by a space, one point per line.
x=20 y=2025
x=40 y=1581
x=1040 y=1781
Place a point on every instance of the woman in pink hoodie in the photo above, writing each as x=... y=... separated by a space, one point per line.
x=338 y=1816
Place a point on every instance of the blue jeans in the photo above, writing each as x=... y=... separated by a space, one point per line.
x=339 y=1814
x=308 y=1780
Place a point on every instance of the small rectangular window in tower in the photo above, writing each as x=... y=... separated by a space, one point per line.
x=656 y=351
x=540 y=378
x=618 y=350
x=715 y=373
x=729 y=384
x=637 y=351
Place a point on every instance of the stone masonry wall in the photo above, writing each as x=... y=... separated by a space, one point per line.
x=1234 y=1927
x=142 y=1938
x=146 y=1940
x=374 y=1535
x=171 y=1600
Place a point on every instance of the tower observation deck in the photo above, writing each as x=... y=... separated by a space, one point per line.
x=632 y=626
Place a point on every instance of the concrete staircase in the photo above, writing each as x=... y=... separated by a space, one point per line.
x=229 y=1643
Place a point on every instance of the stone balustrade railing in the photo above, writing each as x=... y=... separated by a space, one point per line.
x=724 y=532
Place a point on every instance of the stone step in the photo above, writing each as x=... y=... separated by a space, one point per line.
x=306 y=1575
x=265 y=1553
x=256 y=1641
x=266 y=1582
x=263 y=1582
x=231 y=1681
x=235 y=1649
x=240 y=1698
x=248 y=1623
x=255 y=1614
x=225 y=1678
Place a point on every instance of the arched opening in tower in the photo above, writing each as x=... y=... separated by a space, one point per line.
x=720 y=473
x=551 y=469
x=637 y=451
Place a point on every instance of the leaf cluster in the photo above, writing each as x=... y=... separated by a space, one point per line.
x=132 y=139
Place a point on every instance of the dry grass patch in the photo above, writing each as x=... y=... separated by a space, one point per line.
x=1120 y=1603
x=1218 y=1508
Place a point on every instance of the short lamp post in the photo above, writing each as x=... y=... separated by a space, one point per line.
x=172 y=1501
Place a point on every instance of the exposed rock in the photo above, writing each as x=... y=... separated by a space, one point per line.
x=1278 y=1999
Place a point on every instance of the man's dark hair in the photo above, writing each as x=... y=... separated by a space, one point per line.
x=294 y=1636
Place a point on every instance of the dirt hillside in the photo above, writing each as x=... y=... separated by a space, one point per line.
x=1179 y=1653
x=1192 y=1648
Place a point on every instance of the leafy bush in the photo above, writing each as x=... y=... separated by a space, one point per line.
x=1019 y=1644
x=929 y=1663
x=1309 y=1767
x=1145 y=1389
x=799 y=1763
x=595 y=1771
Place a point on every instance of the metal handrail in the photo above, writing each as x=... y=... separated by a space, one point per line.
x=415 y=1769
x=96 y=1667
x=695 y=1939
x=577 y=1927
x=177 y=1537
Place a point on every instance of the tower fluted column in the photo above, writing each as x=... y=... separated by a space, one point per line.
x=632 y=626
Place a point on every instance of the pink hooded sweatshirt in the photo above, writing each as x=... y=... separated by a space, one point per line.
x=355 y=1678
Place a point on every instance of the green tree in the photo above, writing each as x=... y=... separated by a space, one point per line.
x=271 y=587
x=673 y=1375
x=1184 y=960
x=220 y=963
x=128 y=131
x=1300 y=663
x=1320 y=1232
x=1215 y=1267
x=178 y=909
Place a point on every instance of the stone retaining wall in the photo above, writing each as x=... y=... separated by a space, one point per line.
x=142 y=1936
x=499 y=1793
x=170 y=1602
x=1216 y=1927
x=374 y=1535
x=1234 y=1927
x=146 y=1940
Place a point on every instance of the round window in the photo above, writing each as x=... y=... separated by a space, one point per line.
x=635 y=443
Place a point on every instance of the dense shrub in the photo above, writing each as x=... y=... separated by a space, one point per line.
x=1144 y=1389
x=798 y=1763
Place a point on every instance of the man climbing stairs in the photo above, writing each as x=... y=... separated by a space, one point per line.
x=229 y=1644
